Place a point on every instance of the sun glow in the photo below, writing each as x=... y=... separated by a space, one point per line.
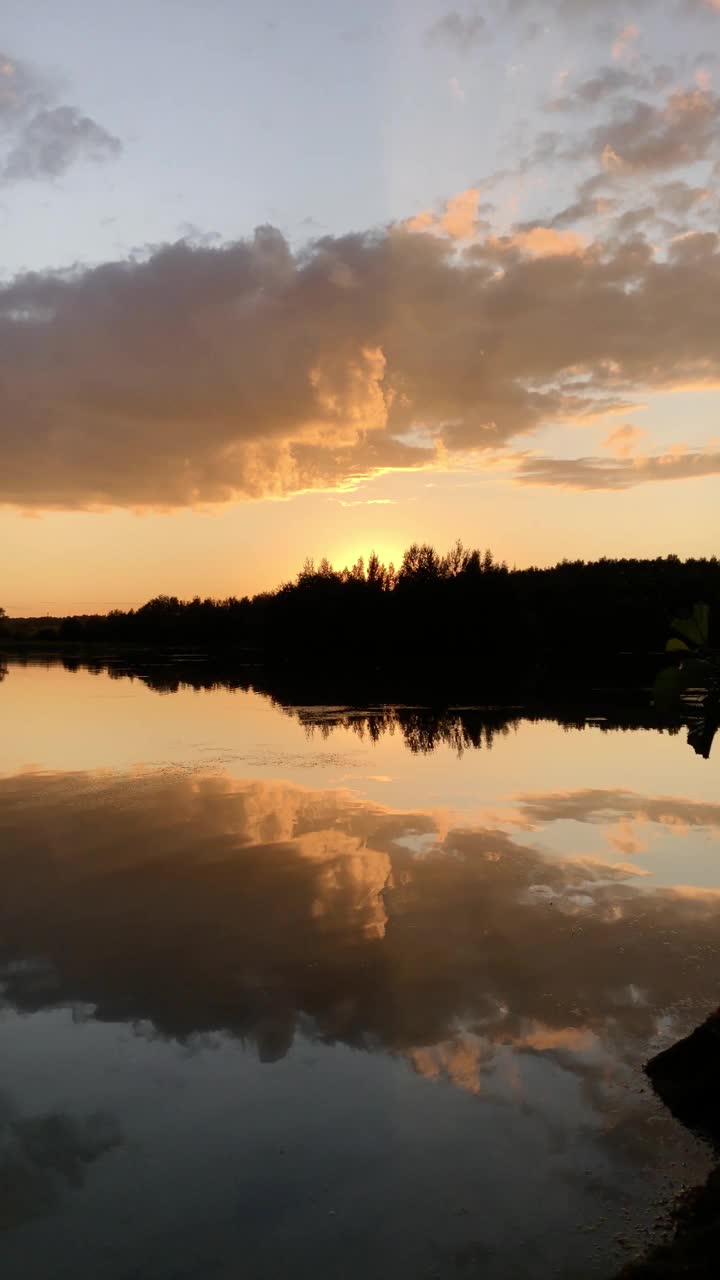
x=349 y=553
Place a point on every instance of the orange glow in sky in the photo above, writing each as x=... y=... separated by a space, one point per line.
x=420 y=328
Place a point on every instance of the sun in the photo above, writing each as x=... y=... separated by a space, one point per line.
x=348 y=553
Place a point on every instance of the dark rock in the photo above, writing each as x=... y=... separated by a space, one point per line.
x=687 y=1078
x=693 y=1248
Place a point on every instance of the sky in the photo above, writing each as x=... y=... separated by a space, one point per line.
x=283 y=280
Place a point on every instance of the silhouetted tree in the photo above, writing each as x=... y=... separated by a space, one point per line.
x=462 y=617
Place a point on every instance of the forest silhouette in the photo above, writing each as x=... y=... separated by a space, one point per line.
x=462 y=616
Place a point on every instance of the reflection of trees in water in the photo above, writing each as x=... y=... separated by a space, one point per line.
x=423 y=729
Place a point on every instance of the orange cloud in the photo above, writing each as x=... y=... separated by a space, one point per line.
x=625 y=839
x=546 y=242
x=459 y=219
x=680 y=132
x=626 y=37
x=274 y=372
x=624 y=440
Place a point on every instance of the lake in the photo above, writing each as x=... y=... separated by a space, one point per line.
x=343 y=992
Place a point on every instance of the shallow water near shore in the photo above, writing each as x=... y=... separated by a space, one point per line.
x=340 y=990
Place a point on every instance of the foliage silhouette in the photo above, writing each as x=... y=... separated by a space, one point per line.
x=692 y=682
x=458 y=619
x=322 y=709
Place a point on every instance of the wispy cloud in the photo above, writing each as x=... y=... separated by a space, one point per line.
x=459 y=31
x=365 y=502
x=625 y=39
x=39 y=137
x=456 y=89
x=624 y=441
x=624 y=472
x=608 y=82
x=680 y=132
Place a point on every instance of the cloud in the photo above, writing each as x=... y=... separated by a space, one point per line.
x=542 y=242
x=672 y=205
x=609 y=81
x=638 y=137
x=600 y=806
x=459 y=31
x=456 y=89
x=23 y=91
x=625 y=39
x=591 y=202
x=459 y=219
x=543 y=12
x=40 y=1153
x=366 y=502
x=53 y=141
x=38 y=137
x=680 y=132
x=204 y=373
x=623 y=472
x=261 y=907
x=624 y=440
x=680 y=198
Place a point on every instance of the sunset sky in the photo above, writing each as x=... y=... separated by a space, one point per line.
x=315 y=277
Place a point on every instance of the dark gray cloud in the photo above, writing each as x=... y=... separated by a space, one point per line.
x=39 y=137
x=40 y=1154
x=206 y=373
x=681 y=131
x=593 y=200
x=609 y=81
x=618 y=473
x=460 y=31
x=672 y=207
x=53 y=140
x=679 y=198
x=637 y=138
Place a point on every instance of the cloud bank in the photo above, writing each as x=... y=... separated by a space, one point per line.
x=201 y=374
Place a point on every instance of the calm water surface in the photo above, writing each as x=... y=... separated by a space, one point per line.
x=281 y=995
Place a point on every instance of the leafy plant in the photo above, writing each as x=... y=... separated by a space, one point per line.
x=691 y=685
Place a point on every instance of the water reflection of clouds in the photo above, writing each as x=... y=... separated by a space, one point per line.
x=39 y=1154
x=608 y=806
x=679 y=835
x=196 y=902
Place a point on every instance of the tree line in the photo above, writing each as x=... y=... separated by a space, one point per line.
x=436 y=616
